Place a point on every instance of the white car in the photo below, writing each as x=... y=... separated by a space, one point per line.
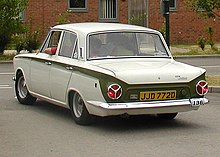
x=108 y=69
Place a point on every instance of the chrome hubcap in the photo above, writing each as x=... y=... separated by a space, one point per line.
x=22 y=88
x=77 y=105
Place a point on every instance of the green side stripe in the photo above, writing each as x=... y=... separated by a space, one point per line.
x=105 y=80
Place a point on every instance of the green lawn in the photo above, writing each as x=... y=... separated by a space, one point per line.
x=177 y=50
x=213 y=80
x=6 y=57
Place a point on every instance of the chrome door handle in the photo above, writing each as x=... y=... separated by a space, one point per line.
x=48 y=63
x=69 y=68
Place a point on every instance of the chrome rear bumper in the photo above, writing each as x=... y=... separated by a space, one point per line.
x=155 y=104
x=135 y=108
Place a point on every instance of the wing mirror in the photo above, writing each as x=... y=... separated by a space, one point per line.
x=50 y=50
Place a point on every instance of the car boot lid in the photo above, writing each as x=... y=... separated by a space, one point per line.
x=147 y=71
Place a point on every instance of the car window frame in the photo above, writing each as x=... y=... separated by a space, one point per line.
x=124 y=31
x=47 y=40
x=74 y=46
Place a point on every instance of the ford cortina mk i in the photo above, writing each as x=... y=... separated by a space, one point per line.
x=107 y=69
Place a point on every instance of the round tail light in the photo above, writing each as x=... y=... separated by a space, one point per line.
x=202 y=87
x=114 y=91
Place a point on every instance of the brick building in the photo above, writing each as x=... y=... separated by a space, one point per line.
x=185 y=25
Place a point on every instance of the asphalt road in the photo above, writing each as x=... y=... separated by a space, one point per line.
x=211 y=64
x=47 y=130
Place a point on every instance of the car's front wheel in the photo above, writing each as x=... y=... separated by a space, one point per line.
x=78 y=109
x=21 y=90
x=167 y=116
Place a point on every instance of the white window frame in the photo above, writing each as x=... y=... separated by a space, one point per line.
x=105 y=15
x=173 y=8
x=75 y=9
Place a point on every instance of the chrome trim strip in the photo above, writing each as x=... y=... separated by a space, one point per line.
x=146 y=105
x=50 y=100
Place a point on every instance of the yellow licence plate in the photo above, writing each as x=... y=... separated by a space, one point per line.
x=158 y=95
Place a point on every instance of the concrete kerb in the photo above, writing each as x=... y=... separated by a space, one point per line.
x=197 y=56
x=214 y=89
x=6 y=62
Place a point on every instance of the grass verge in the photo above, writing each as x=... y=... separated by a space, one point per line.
x=213 y=80
x=6 y=57
x=179 y=50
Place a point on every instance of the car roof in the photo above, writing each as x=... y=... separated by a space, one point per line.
x=92 y=27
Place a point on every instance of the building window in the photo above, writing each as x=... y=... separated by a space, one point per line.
x=108 y=10
x=77 y=5
x=138 y=10
x=172 y=5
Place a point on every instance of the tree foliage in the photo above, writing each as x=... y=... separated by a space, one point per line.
x=10 y=21
x=208 y=8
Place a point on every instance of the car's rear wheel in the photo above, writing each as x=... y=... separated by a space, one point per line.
x=78 y=109
x=21 y=90
x=167 y=116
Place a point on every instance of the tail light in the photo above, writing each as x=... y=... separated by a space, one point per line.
x=202 y=87
x=114 y=91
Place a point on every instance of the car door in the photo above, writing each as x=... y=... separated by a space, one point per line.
x=41 y=65
x=61 y=70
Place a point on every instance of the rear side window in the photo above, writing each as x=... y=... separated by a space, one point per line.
x=68 y=45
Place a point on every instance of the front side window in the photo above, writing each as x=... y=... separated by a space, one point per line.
x=52 y=41
x=125 y=44
x=68 y=45
x=77 y=5
x=108 y=10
